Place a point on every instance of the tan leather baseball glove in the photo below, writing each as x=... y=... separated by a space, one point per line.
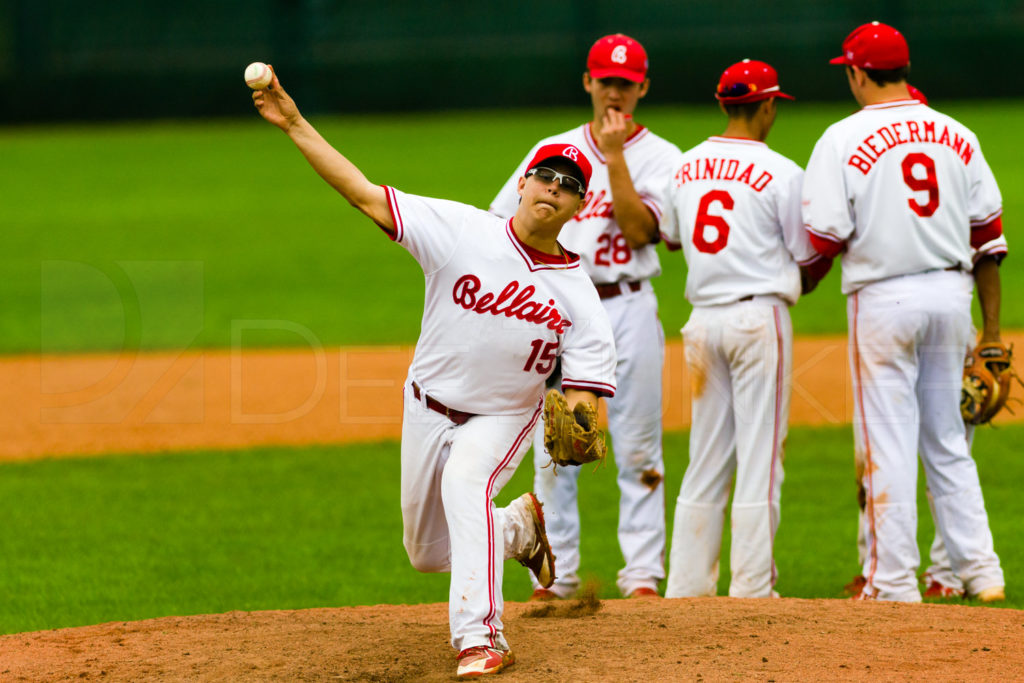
x=571 y=437
x=988 y=372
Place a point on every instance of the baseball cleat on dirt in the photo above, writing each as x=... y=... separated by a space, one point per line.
x=856 y=586
x=538 y=558
x=939 y=590
x=644 y=593
x=542 y=595
x=482 y=660
x=994 y=594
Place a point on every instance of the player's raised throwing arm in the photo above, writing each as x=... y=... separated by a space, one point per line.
x=277 y=107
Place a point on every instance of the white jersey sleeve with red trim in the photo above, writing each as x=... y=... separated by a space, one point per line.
x=899 y=189
x=997 y=248
x=593 y=233
x=497 y=315
x=790 y=217
x=428 y=228
x=588 y=361
x=985 y=203
x=734 y=209
x=825 y=211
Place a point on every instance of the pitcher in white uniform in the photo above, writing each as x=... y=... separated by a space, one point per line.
x=614 y=234
x=903 y=192
x=504 y=300
x=734 y=207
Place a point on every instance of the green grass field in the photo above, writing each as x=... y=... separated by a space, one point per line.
x=160 y=235
x=121 y=538
x=171 y=235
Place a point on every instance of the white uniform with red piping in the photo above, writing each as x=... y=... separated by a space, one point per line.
x=904 y=193
x=634 y=416
x=734 y=207
x=496 y=316
x=941 y=568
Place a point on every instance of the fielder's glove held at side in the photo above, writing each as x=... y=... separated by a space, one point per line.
x=571 y=437
x=988 y=371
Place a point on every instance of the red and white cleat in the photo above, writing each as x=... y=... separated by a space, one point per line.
x=538 y=558
x=542 y=595
x=939 y=590
x=482 y=660
x=856 y=586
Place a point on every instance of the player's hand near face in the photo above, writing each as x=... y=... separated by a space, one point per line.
x=635 y=220
x=614 y=131
x=277 y=107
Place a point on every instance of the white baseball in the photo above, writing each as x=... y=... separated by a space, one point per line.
x=258 y=75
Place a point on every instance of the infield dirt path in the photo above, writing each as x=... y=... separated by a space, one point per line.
x=145 y=402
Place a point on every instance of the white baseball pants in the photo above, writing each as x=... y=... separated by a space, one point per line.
x=450 y=477
x=634 y=424
x=907 y=341
x=739 y=357
x=941 y=568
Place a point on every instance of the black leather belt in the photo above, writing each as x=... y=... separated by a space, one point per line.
x=456 y=416
x=614 y=289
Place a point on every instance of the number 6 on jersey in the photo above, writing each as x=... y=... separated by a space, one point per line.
x=706 y=220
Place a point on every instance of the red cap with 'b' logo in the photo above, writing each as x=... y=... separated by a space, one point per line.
x=618 y=56
x=570 y=153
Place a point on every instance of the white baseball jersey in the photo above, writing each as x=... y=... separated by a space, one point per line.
x=734 y=207
x=497 y=313
x=903 y=189
x=593 y=233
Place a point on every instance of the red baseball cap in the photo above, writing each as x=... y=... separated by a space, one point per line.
x=748 y=81
x=618 y=56
x=874 y=46
x=568 y=152
x=917 y=94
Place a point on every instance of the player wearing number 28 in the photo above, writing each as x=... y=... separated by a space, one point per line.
x=503 y=299
x=614 y=234
x=734 y=207
x=903 y=193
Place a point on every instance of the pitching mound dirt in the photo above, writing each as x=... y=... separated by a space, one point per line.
x=623 y=640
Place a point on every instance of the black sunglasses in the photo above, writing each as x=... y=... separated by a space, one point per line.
x=549 y=175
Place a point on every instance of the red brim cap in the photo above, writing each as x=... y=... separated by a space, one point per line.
x=755 y=96
x=566 y=152
x=749 y=80
x=618 y=72
x=874 y=46
x=617 y=56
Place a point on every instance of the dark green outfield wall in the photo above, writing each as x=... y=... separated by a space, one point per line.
x=98 y=59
